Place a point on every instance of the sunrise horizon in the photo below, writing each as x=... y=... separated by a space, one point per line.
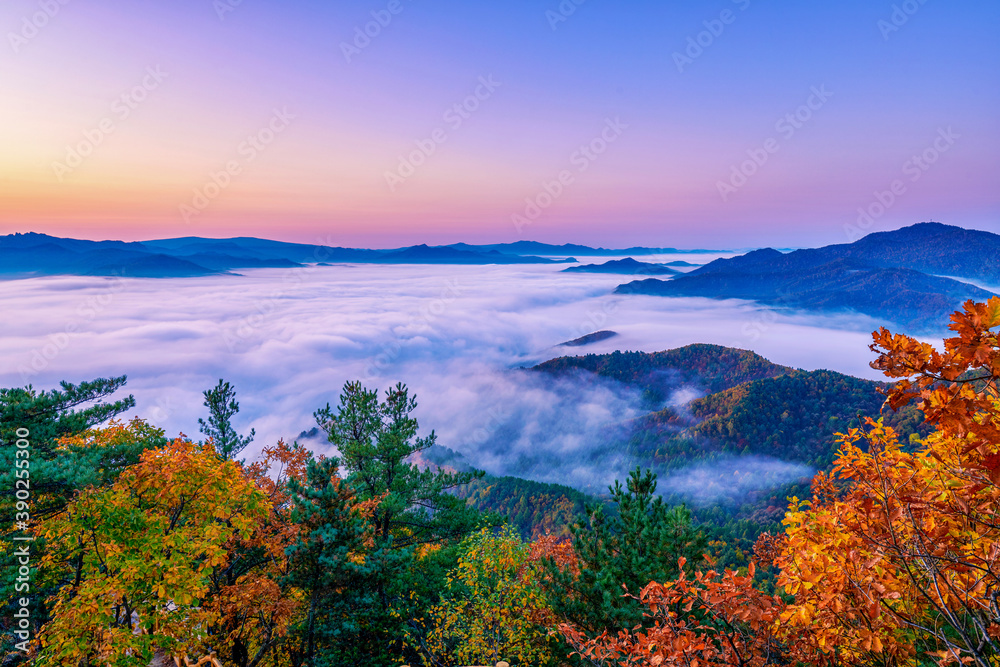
x=423 y=124
x=846 y=233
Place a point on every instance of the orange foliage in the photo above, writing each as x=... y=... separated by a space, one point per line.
x=141 y=555
x=706 y=619
x=254 y=610
x=559 y=549
x=906 y=562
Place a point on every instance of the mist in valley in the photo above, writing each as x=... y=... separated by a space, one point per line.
x=458 y=336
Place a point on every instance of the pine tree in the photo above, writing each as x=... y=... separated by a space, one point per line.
x=52 y=414
x=416 y=523
x=376 y=441
x=640 y=540
x=58 y=471
x=332 y=564
x=222 y=407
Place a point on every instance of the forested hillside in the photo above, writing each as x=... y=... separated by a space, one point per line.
x=711 y=367
x=793 y=417
x=752 y=416
x=749 y=406
x=533 y=508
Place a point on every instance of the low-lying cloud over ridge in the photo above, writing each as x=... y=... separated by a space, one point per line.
x=732 y=479
x=288 y=340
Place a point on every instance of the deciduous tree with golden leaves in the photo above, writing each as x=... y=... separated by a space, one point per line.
x=142 y=554
x=494 y=608
x=896 y=557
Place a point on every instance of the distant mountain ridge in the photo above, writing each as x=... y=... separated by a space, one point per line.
x=627 y=266
x=971 y=253
x=550 y=250
x=39 y=254
x=32 y=254
x=928 y=247
x=892 y=276
x=424 y=254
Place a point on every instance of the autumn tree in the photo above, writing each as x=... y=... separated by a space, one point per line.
x=708 y=618
x=234 y=562
x=55 y=465
x=638 y=540
x=256 y=605
x=139 y=556
x=894 y=559
x=222 y=407
x=493 y=608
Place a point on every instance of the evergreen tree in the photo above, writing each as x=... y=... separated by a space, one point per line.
x=47 y=416
x=376 y=441
x=222 y=407
x=640 y=540
x=52 y=414
x=416 y=523
x=338 y=572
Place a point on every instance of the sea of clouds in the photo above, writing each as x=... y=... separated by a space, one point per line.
x=456 y=335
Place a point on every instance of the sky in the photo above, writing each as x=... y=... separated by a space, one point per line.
x=380 y=123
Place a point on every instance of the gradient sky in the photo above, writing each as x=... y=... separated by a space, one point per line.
x=322 y=178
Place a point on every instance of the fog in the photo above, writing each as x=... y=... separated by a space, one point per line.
x=289 y=339
x=732 y=479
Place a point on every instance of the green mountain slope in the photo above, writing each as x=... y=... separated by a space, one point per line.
x=713 y=368
x=791 y=417
x=534 y=508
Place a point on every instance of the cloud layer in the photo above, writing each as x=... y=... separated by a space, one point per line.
x=289 y=339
